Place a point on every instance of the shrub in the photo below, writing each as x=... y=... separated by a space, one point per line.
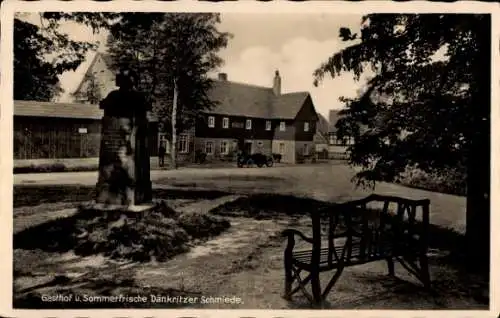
x=450 y=180
x=199 y=225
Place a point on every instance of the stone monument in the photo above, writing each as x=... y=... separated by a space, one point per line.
x=124 y=170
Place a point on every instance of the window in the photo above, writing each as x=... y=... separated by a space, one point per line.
x=224 y=149
x=332 y=139
x=282 y=126
x=183 y=144
x=268 y=125
x=211 y=121
x=248 y=124
x=282 y=148
x=209 y=147
x=225 y=122
x=306 y=126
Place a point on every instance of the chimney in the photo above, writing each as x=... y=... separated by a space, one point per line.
x=277 y=83
x=222 y=77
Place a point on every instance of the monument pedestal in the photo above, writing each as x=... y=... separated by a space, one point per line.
x=116 y=210
x=124 y=168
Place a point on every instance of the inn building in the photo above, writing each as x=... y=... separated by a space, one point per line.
x=250 y=117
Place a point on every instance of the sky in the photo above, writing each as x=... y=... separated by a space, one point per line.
x=294 y=44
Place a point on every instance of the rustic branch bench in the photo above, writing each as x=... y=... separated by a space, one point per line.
x=357 y=234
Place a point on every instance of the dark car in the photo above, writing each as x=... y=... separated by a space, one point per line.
x=257 y=158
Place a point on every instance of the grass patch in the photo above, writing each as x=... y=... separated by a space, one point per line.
x=54 y=167
x=268 y=206
x=160 y=234
x=33 y=195
x=48 y=207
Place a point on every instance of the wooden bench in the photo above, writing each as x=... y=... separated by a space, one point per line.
x=358 y=234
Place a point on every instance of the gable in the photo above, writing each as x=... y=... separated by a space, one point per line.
x=322 y=125
x=104 y=79
x=287 y=106
x=307 y=110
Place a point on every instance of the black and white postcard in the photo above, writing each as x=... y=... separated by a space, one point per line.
x=283 y=156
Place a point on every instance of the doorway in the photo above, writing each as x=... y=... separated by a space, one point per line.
x=248 y=147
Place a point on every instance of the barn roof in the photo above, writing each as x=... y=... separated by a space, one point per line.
x=59 y=110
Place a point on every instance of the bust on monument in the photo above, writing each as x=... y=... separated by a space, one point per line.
x=124 y=170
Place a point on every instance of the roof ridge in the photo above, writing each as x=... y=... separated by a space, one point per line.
x=243 y=84
x=52 y=103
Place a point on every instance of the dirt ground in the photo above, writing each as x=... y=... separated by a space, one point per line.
x=245 y=264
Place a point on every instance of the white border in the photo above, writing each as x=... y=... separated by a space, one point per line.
x=339 y=7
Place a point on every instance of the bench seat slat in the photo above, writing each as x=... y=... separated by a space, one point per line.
x=302 y=258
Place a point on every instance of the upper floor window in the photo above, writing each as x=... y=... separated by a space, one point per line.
x=306 y=126
x=268 y=125
x=282 y=126
x=248 y=124
x=225 y=122
x=211 y=121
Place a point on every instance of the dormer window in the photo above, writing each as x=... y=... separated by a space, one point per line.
x=268 y=125
x=282 y=126
x=306 y=126
x=225 y=122
x=248 y=124
x=211 y=121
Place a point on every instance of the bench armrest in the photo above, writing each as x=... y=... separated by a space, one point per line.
x=291 y=232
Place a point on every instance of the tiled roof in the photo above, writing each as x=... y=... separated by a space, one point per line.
x=286 y=106
x=239 y=99
x=59 y=110
x=107 y=59
x=322 y=126
x=332 y=120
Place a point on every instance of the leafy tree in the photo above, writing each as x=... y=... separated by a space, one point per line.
x=416 y=110
x=42 y=52
x=172 y=53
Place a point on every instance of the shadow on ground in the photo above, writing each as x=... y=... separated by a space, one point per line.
x=32 y=195
x=251 y=266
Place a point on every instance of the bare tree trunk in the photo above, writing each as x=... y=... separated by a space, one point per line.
x=173 y=151
x=478 y=165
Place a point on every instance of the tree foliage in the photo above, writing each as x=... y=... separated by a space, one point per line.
x=167 y=47
x=421 y=111
x=416 y=110
x=42 y=51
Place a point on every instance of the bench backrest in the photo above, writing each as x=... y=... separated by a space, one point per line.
x=374 y=223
